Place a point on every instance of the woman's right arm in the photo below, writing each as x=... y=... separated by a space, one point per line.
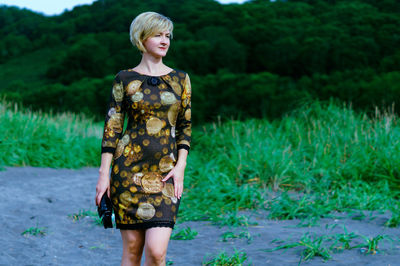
x=113 y=126
x=103 y=182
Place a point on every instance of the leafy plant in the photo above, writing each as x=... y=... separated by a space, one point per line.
x=344 y=239
x=394 y=220
x=233 y=219
x=82 y=214
x=184 y=234
x=97 y=247
x=312 y=246
x=35 y=231
x=86 y=213
x=231 y=235
x=223 y=259
x=371 y=243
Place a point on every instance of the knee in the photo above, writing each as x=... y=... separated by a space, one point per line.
x=133 y=249
x=132 y=252
x=156 y=255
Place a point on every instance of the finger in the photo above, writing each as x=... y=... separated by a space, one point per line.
x=99 y=195
x=180 y=191
x=97 y=200
x=108 y=192
x=176 y=191
x=167 y=177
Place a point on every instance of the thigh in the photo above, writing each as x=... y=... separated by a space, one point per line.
x=157 y=239
x=133 y=240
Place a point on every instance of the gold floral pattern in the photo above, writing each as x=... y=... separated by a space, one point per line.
x=166 y=164
x=176 y=87
x=154 y=125
x=137 y=97
x=167 y=98
x=145 y=210
x=159 y=123
x=168 y=190
x=133 y=87
x=118 y=91
x=151 y=182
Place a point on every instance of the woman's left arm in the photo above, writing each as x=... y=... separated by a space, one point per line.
x=184 y=121
x=183 y=135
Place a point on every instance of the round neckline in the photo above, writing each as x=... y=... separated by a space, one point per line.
x=150 y=75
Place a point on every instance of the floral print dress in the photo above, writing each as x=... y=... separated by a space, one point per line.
x=158 y=109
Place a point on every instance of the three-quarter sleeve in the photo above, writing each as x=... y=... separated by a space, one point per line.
x=184 y=121
x=114 y=118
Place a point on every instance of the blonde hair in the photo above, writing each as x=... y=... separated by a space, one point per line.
x=148 y=24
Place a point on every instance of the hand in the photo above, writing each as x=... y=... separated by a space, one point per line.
x=103 y=185
x=177 y=173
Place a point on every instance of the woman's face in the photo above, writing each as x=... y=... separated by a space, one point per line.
x=158 y=44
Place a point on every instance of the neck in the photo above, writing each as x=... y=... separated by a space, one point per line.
x=151 y=65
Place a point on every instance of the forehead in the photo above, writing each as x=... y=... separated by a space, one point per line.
x=159 y=31
x=162 y=31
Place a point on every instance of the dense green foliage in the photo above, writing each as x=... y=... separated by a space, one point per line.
x=251 y=60
x=339 y=159
x=63 y=140
x=336 y=159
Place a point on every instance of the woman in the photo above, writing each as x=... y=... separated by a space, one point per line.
x=148 y=159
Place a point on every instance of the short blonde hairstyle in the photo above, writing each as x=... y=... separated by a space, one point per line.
x=148 y=24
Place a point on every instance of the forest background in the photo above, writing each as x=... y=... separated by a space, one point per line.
x=257 y=59
x=295 y=103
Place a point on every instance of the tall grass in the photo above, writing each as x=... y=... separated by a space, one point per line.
x=319 y=144
x=63 y=140
x=334 y=158
x=339 y=159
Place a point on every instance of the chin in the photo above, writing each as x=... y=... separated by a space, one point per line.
x=160 y=55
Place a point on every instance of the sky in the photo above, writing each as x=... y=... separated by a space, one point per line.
x=56 y=7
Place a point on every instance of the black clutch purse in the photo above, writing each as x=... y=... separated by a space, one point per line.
x=105 y=211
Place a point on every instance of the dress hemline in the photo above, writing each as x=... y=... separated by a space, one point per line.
x=144 y=225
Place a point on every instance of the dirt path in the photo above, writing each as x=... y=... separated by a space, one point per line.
x=44 y=197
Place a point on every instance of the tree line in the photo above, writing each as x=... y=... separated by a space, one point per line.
x=253 y=59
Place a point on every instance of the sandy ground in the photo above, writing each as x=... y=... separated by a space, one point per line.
x=44 y=197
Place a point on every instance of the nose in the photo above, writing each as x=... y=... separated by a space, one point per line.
x=164 y=39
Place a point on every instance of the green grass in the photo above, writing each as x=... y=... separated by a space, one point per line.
x=86 y=213
x=184 y=234
x=371 y=244
x=223 y=259
x=320 y=159
x=38 y=139
x=324 y=246
x=227 y=236
x=316 y=161
x=394 y=221
x=342 y=241
x=312 y=246
x=82 y=214
x=35 y=231
x=233 y=219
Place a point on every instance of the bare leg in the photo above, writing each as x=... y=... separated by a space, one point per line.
x=156 y=245
x=132 y=247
